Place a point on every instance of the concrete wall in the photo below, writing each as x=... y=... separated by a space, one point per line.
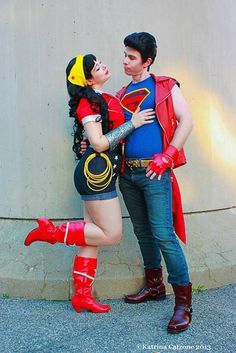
x=196 y=45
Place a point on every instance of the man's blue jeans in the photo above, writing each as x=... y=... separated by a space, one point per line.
x=149 y=203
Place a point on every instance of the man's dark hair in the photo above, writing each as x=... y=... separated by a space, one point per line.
x=144 y=42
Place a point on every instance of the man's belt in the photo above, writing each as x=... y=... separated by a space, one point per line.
x=137 y=163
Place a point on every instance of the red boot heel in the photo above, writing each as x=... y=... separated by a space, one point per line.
x=78 y=309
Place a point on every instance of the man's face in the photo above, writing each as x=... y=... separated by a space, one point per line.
x=132 y=62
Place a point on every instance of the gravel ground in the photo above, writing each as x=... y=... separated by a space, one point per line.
x=37 y=326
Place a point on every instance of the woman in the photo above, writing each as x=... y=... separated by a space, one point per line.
x=101 y=117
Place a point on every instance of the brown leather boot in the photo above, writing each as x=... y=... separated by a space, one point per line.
x=154 y=288
x=183 y=310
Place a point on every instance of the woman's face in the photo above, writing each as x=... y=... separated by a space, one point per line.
x=100 y=73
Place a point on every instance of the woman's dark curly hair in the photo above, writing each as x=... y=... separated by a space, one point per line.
x=97 y=102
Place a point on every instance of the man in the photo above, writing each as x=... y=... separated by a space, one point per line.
x=148 y=183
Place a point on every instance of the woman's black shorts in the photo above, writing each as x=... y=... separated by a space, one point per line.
x=96 y=173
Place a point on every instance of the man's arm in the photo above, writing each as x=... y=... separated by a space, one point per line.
x=184 y=117
x=166 y=159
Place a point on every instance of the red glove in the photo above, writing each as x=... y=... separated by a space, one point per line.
x=162 y=161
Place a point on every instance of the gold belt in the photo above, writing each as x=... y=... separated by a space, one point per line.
x=138 y=163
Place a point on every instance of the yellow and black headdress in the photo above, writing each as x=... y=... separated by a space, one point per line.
x=76 y=75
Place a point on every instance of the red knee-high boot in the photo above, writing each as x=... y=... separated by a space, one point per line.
x=84 y=271
x=70 y=233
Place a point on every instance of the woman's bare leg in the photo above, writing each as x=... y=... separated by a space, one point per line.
x=106 y=228
x=88 y=251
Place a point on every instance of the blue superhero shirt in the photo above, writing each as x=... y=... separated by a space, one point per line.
x=145 y=141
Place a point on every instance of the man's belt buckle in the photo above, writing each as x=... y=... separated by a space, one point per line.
x=133 y=163
x=138 y=163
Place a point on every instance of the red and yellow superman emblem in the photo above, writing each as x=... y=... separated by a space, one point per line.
x=132 y=100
